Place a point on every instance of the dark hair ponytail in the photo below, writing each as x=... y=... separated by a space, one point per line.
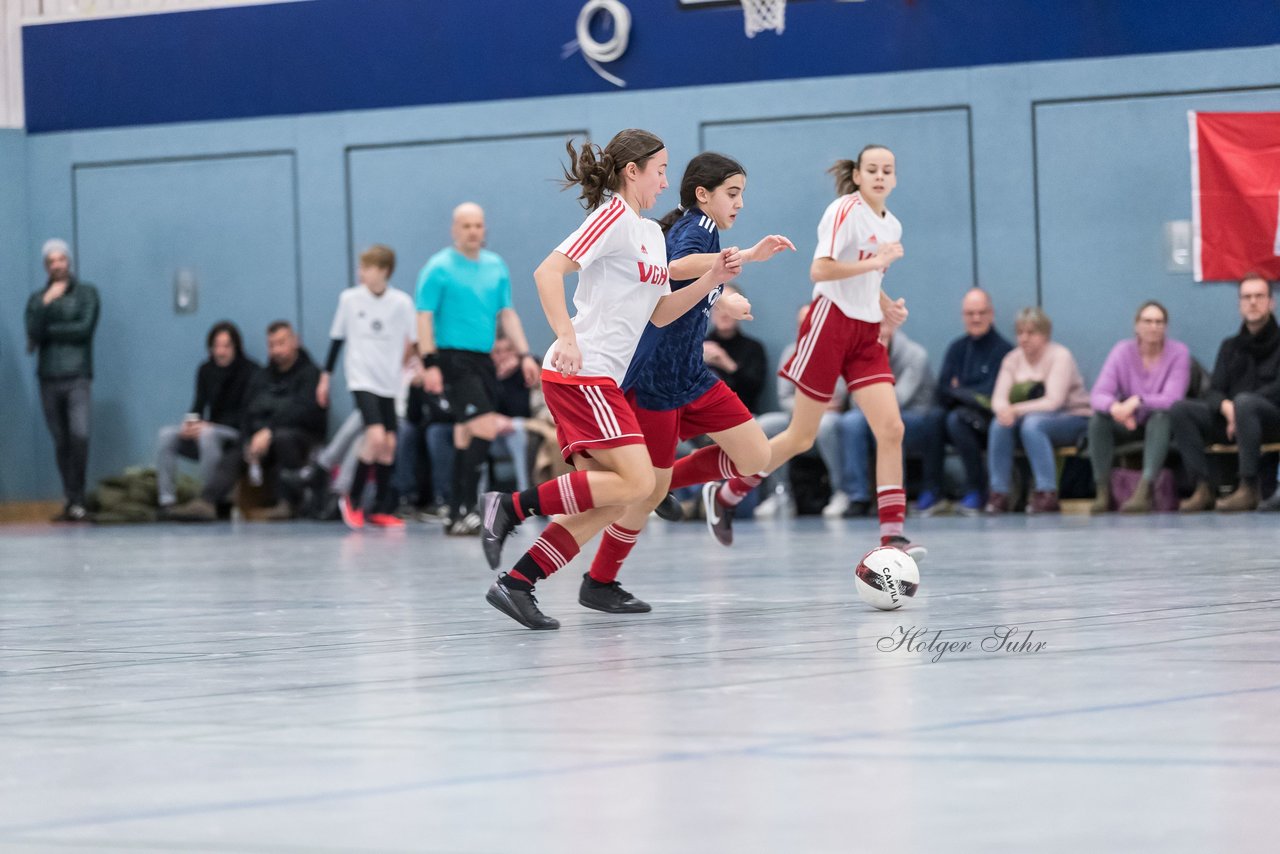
x=707 y=170
x=844 y=169
x=598 y=171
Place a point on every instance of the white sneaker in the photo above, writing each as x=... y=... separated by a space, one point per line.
x=836 y=506
x=779 y=504
x=770 y=507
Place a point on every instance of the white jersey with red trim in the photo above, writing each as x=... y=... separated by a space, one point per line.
x=624 y=274
x=850 y=231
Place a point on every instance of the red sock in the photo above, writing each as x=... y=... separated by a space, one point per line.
x=736 y=488
x=703 y=465
x=615 y=544
x=568 y=494
x=555 y=548
x=892 y=503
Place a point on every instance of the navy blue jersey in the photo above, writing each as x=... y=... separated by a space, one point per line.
x=667 y=370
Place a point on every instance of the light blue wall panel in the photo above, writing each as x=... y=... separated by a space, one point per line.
x=230 y=220
x=1111 y=173
x=404 y=195
x=21 y=424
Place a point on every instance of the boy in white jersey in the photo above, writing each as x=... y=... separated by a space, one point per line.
x=622 y=285
x=380 y=325
x=844 y=337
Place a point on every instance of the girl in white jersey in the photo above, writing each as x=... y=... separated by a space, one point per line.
x=623 y=284
x=842 y=338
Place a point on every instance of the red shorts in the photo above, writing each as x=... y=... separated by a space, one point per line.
x=590 y=412
x=717 y=409
x=832 y=345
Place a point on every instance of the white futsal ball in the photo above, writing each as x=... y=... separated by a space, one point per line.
x=886 y=578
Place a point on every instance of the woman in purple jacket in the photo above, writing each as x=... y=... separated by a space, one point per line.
x=1142 y=377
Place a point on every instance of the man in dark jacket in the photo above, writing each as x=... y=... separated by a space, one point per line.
x=211 y=427
x=282 y=423
x=737 y=359
x=61 y=320
x=1241 y=405
x=968 y=377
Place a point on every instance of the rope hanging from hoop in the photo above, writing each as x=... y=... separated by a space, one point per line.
x=595 y=52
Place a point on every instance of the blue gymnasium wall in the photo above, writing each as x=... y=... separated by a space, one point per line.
x=1045 y=181
x=20 y=410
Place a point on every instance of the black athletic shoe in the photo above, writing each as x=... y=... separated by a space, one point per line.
x=857 y=509
x=915 y=551
x=670 y=509
x=610 y=598
x=498 y=521
x=519 y=605
x=719 y=517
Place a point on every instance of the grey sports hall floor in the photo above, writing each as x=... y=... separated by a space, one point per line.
x=297 y=689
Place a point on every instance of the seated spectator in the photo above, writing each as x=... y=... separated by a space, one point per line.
x=283 y=422
x=515 y=407
x=1242 y=404
x=965 y=384
x=778 y=485
x=1041 y=400
x=736 y=358
x=212 y=425
x=1142 y=377
x=923 y=437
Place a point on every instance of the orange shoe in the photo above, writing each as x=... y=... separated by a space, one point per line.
x=385 y=520
x=352 y=516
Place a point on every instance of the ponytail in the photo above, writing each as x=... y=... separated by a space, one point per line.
x=599 y=171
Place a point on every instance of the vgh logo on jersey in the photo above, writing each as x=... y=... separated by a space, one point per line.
x=652 y=274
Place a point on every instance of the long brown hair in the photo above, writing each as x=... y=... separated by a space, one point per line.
x=598 y=171
x=844 y=169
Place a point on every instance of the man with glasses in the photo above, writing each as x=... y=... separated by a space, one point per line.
x=965 y=384
x=1241 y=405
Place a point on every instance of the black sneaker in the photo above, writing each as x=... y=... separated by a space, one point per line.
x=670 y=509
x=498 y=522
x=519 y=605
x=610 y=598
x=719 y=517
x=915 y=551
x=857 y=509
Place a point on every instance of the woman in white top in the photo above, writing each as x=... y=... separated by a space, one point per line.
x=843 y=339
x=623 y=284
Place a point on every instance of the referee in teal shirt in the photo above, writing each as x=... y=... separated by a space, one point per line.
x=463 y=298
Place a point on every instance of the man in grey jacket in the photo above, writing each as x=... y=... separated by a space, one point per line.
x=61 y=319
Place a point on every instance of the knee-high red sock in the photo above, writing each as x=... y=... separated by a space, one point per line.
x=555 y=548
x=568 y=494
x=892 y=504
x=615 y=544
x=703 y=465
x=736 y=488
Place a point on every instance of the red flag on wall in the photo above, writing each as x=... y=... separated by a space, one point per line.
x=1235 y=194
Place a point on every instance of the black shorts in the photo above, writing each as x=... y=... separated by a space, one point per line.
x=470 y=383
x=375 y=409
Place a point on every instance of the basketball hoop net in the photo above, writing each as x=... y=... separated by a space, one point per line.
x=764 y=15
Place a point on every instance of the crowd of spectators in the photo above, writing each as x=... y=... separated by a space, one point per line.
x=1010 y=413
